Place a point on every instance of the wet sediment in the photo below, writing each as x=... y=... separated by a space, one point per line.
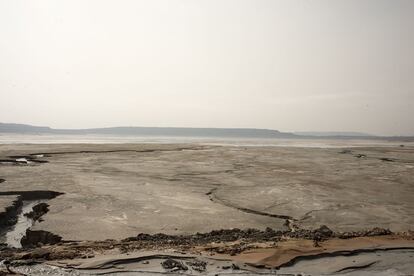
x=9 y=215
x=9 y=218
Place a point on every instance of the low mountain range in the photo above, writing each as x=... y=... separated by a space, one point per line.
x=190 y=132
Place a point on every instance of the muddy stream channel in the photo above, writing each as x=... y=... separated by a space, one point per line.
x=25 y=220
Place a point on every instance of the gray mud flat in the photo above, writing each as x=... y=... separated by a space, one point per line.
x=126 y=189
x=118 y=191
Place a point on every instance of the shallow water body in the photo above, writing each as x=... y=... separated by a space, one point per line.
x=225 y=141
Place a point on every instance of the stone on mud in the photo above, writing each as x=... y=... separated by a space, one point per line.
x=173 y=265
x=39 y=237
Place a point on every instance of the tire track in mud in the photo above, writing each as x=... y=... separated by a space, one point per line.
x=289 y=221
x=340 y=253
x=355 y=267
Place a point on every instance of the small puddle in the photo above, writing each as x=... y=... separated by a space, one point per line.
x=18 y=231
x=24 y=160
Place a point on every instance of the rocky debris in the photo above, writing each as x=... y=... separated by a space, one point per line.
x=39 y=237
x=232 y=249
x=231 y=241
x=345 y=151
x=360 y=155
x=365 y=233
x=2 y=180
x=197 y=265
x=8 y=270
x=244 y=238
x=224 y=235
x=70 y=254
x=173 y=265
x=291 y=225
x=38 y=211
x=38 y=253
x=321 y=234
x=232 y=266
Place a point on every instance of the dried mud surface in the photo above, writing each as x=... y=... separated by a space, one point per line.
x=277 y=207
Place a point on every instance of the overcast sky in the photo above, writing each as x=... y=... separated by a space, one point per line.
x=287 y=65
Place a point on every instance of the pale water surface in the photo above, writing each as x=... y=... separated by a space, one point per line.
x=121 y=139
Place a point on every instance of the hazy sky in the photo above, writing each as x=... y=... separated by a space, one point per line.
x=288 y=65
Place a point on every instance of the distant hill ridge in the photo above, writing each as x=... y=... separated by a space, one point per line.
x=332 y=133
x=21 y=128
x=150 y=131
x=195 y=132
